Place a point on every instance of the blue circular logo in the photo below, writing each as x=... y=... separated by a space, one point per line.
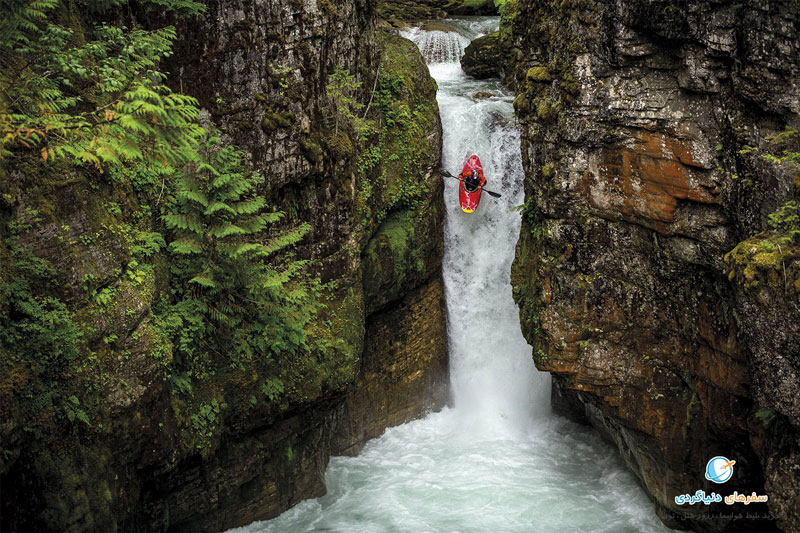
x=719 y=469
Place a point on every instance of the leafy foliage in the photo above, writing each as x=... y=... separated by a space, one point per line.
x=787 y=219
x=37 y=329
x=93 y=96
x=39 y=336
x=231 y=301
x=77 y=91
x=341 y=92
x=500 y=5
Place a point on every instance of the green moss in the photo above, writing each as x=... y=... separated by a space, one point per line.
x=311 y=150
x=273 y=121
x=340 y=146
x=767 y=259
x=395 y=152
x=290 y=454
x=485 y=57
x=527 y=286
x=390 y=258
x=569 y=87
x=507 y=18
x=539 y=75
x=522 y=104
x=547 y=110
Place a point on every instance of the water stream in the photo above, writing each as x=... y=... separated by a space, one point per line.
x=497 y=460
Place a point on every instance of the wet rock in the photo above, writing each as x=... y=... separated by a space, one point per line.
x=485 y=57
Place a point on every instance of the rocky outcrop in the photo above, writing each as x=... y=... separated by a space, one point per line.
x=400 y=10
x=656 y=267
x=485 y=57
x=161 y=455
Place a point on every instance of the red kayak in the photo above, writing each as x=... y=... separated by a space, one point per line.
x=469 y=200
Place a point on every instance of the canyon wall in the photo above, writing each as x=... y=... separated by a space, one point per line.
x=657 y=270
x=397 y=11
x=156 y=453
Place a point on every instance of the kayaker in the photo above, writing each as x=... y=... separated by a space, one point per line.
x=473 y=180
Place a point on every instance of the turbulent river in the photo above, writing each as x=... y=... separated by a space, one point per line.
x=497 y=460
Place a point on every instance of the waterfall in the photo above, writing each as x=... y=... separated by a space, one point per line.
x=439 y=46
x=497 y=460
x=495 y=390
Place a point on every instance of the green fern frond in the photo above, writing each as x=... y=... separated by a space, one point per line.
x=220 y=231
x=204 y=280
x=187 y=246
x=215 y=207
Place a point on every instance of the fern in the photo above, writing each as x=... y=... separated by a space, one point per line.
x=218 y=225
x=101 y=102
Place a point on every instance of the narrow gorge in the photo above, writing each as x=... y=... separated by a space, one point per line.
x=237 y=289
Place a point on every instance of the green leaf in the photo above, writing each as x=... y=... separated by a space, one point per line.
x=203 y=280
x=215 y=207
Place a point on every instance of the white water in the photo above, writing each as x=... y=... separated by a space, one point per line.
x=498 y=460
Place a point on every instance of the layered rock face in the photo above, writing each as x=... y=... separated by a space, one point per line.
x=150 y=461
x=655 y=275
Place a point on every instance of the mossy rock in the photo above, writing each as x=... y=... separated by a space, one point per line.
x=471 y=7
x=441 y=26
x=340 y=146
x=547 y=110
x=522 y=105
x=391 y=261
x=272 y=121
x=485 y=57
x=394 y=168
x=432 y=9
x=311 y=150
x=539 y=75
x=769 y=259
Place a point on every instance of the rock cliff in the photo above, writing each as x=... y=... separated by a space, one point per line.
x=657 y=265
x=156 y=453
x=399 y=10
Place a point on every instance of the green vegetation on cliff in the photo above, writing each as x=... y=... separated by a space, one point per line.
x=102 y=165
x=155 y=314
x=771 y=258
x=231 y=302
x=395 y=148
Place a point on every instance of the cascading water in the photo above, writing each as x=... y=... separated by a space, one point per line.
x=497 y=460
x=440 y=46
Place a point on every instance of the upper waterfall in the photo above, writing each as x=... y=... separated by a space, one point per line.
x=439 y=46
